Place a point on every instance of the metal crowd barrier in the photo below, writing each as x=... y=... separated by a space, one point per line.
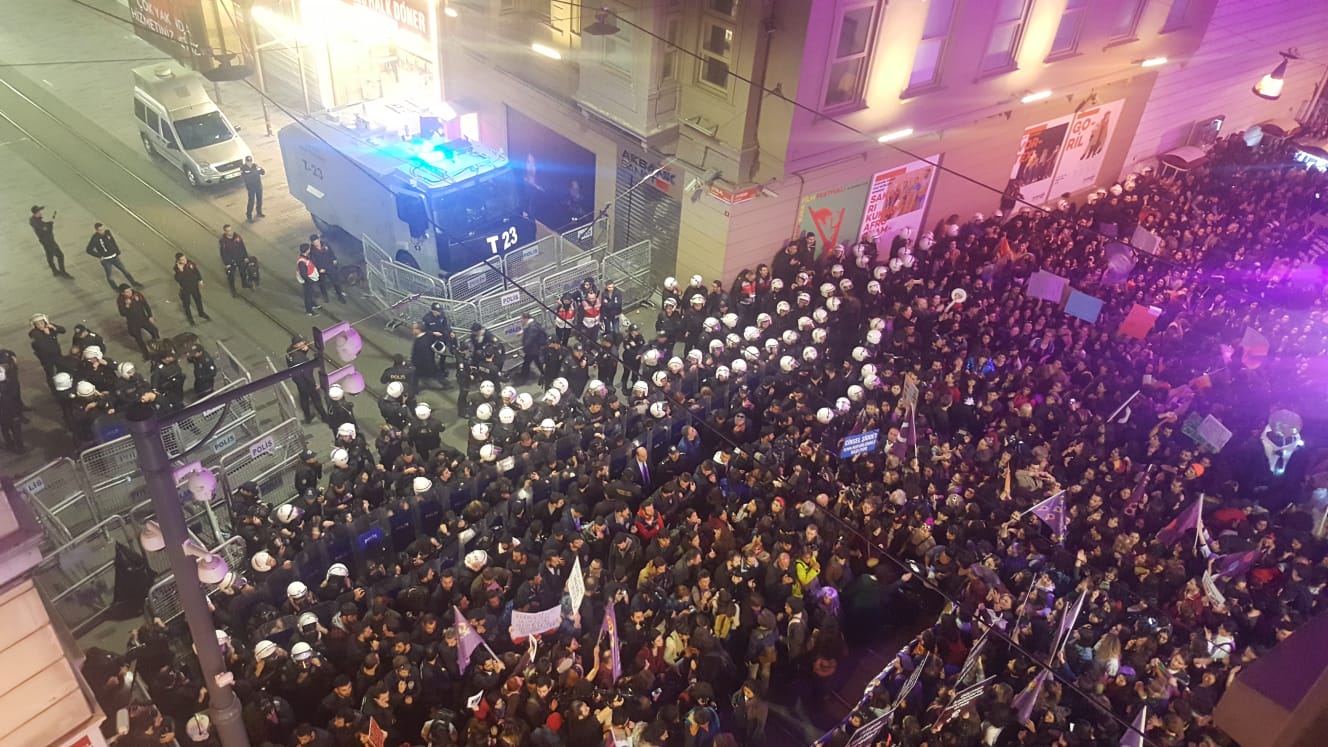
x=268 y=460
x=163 y=600
x=59 y=497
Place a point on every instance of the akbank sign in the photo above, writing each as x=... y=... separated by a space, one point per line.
x=640 y=168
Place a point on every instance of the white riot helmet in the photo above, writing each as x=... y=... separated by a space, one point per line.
x=833 y=303
x=487 y=388
x=751 y=334
x=717 y=346
x=809 y=354
x=525 y=401
x=896 y=264
x=752 y=353
x=696 y=356
x=484 y=411
x=805 y=323
x=346 y=430
x=262 y=561
x=561 y=385
x=876 y=322
x=739 y=367
x=659 y=410
x=880 y=272
x=783 y=307
x=836 y=270
x=722 y=373
x=790 y=337
x=670 y=283
x=288 y=513
x=825 y=415
x=675 y=364
x=874 y=287
x=846 y=285
x=509 y=394
x=306 y=622
x=640 y=389
x=264 y=650
x=763 y=320
x=595 y=387
x=842 y=405
x=395 y=389
x=553 y=397
x=711 y=325
x=85 y=389
x=63 y=382
x=340 y=458
x=868 y=369
x=827 y=289
x=698 y=300
x=819 y=335
x=336 y=393
x=776 y=284
x=659 y=378
x=772 y=346
x=820 y=316
x=506 y=416
x=856 y=393
x=861 y=354
x=125 y=370
x=488 y=453
x=730 y=320
x=339 y=569
x=872 y=382
x=650 y=357
x=423 y=411
x=301 y=651
x=480 y=431
x=420 y=485
x=874 y=336
x=548 y=426
x=788 y=363
x=296 y=590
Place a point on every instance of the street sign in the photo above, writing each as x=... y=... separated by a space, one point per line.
x=862 y=443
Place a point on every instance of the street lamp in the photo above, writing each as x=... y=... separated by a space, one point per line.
x=1270 y=86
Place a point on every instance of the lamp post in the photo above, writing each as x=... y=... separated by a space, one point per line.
x=158 y=474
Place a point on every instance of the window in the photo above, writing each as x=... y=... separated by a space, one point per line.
x=669 y=65
x=1178 y=16
x=716 y=47
x=1066 y=40
x=927 y=59
x=618 y=49
x=567 y=15
x=140 y=111
x=153 y=122
x=540 y=10
x=848 y=68
x=1006 y=31
x=727 y=8
x=1126 y=19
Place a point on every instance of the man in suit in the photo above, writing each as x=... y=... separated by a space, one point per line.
x=534 y=339
x=641 y=471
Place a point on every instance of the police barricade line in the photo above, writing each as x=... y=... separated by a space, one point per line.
x=50 y=490
x=262 y=459
x=496 y=308
x=533 y=258
x=163 y=600
x=474 y=281
x=109 y=462
x=554 y=285
x=79 y=577
x=282 y=394
x=582 y=239
x=229 y=367
x=374 y=255
x=190 y=432
x=384 y=297
x=409 y=280
x=630 y=270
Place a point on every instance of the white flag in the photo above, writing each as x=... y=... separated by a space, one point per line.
x=576 y=586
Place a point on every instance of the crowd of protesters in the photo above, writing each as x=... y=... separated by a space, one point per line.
x=731 y=559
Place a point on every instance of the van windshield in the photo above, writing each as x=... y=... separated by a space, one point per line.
x=203 y=130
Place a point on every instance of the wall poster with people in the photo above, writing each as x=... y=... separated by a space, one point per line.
x=833 y=216
x=1085 y=147
x=557 y=176
x=1039 y=150
x=897 y=199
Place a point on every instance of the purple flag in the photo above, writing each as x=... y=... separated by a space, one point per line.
x=1068 y=619
x=1185 y=521
x=610 y=628
x=468 y=639
x=1023 y=702
x=1236 y=563
x=1135 y=501
x=1052 y=513
x=1134 y=736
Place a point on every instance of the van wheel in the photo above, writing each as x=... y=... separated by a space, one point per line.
x=147 y=145
x=192 y=177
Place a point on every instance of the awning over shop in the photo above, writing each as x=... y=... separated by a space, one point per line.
x=1184 y=158
x=1280 y=127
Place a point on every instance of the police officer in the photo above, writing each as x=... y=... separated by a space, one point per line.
x=425 y=433
x=45 y=230
x=45 y=337
x=401 y=372
x=395 y=406
x=168 y=381
x=205 y=371
x=632 y=348
x=424 y=353
x=534 y=338
x=339 y=409
x=437 y=326
x=252 y=175
x=305 y=385
x=325 y=259
x=233 y=254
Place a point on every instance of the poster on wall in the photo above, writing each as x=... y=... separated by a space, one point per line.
x=1085 y=147
x=897 y=199
x=557 y=176
x=834 y=216
x=1035 y=164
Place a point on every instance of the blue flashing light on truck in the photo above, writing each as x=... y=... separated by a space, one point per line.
x=437 y=204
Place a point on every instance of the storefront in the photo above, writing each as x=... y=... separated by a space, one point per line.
x=319 y=54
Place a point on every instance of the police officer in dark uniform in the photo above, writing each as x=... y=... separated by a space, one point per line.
x=632 y=348
x=437 y=326
x=305 y=385
x=45 y=337
x=45 y=230
x=401 y=371
x=252 y=175
x=325 y=259
x=168 y=381
x=205 y=370
x=606 y=359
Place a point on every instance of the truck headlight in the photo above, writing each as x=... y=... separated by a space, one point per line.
x=207 y=169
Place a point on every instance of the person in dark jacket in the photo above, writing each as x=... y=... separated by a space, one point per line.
x=325 y=259
x=103 y=246
x=252 y=175
x=205 y=371
x=137 y=313
x=190 y=280
x=45 y=337
x=233 y=255
x=45 y=230
x=611 y=308
x=305 y=385
x=534 y=339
